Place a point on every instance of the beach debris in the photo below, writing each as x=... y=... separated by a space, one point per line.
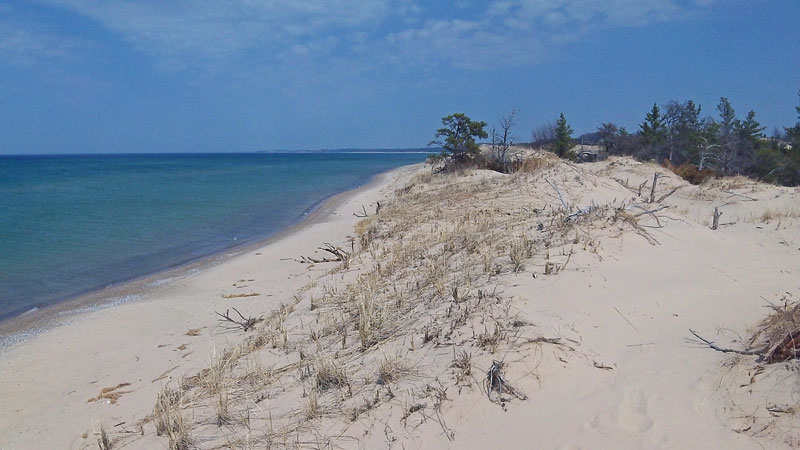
x=193 y=332
x=496 y=383
x=717 y=214
x=339 y=255
x=112 y=394
x=788 y=348
x=251 y=294
x=713 y=346
x=246 y=323
x=361 y=214
x=656 y=176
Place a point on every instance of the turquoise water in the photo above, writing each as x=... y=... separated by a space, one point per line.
x=72 y=224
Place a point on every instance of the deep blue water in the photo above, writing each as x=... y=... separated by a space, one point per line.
x=72 y=224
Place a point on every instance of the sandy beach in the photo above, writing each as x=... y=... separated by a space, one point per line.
x=549 y=308
x=167 y=328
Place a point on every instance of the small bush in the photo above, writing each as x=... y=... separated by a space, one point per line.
x=690 y=173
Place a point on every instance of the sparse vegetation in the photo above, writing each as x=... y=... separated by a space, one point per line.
x=426 y=275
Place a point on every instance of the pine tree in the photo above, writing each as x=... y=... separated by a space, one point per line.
x=563 y=137
x=459 y=133
x=653 y=127
x=727 y=139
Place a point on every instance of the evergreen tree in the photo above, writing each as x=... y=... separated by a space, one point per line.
x=653 y=127
x=683 y=124
x=459 y=133
x=563 y=137
x=727 y=140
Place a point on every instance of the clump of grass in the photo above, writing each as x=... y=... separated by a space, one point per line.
x=462 y=363
x=221 y=407
x=370 y=311
x=169 y=420
x=312 y=404
x=492 y=340
x=104 y=441
x=392 y=369
x=521 y=249
x=329 y=375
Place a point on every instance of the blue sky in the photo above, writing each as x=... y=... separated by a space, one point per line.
x=96 y=76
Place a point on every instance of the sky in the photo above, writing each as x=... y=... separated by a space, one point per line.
x=121 y=76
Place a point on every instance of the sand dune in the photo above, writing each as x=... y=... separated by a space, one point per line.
x=567 y=279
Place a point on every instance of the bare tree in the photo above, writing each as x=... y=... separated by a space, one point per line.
x=543 y=135
x=502 y=140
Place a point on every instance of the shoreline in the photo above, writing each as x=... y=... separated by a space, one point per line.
x=20 y=327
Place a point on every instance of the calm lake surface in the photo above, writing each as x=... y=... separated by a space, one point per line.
x=73 y=224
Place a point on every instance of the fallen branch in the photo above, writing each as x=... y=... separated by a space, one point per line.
x=560 y=197
x=362 y=214
x=246 y=323
x=650 y=211
x=641 y=186
x=339 y=255
x=713 y=346
x=740 y=195
x=661 y=199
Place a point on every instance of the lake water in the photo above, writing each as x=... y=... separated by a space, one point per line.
x=73 y=224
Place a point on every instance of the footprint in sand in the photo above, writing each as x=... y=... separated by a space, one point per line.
x=629 y=416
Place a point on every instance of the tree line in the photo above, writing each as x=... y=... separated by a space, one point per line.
x=675 y=134
x=697 y=147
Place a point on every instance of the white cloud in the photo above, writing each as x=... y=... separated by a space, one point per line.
x=28 y=45
x=182 y=33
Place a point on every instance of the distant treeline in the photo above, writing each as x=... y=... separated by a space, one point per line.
x=696 y=147
x=360 y=150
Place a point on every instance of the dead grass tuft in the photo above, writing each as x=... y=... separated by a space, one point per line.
x=391 y=369
x=169 y=420
x=329 y=374
x=537 y=163
x=783 y=320
x=104 y=441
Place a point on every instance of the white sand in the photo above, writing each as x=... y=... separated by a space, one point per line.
x=625 y=377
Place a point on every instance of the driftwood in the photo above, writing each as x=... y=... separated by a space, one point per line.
x=656 y=176
x=560 y=197
x=495 y=382
x=788 y=348
x=713 y=346
x=661 y=199
x=361 y=214
x=736 y=194
x=339 y=255
x=246 y=323
x=717 y=214
x=641 y=186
